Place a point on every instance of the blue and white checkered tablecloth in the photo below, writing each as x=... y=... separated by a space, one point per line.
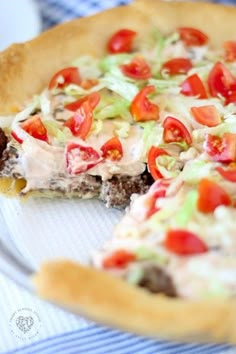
x=61 y=332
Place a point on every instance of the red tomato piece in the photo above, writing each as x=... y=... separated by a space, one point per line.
x=230 y=51
x=137 y=69
x=192 y=36
x=121 y=41
x=229 y=174
x=231 y=98
x=175 y=131
x=141 y=108
x=16 y=137
x=34 y=127
x=80 y=158
x=184 y=243
x=210 y=196
x=221 y=81
x=93 y=100
x=177 y=66
x=206 y=115
x=153 y=154
x=157 y=190
x=193 y=86
x=118 y=259
x=80 y=123
x=67 y=76
x=221 y=149
x=112 y=149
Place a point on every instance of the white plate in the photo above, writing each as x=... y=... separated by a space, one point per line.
x=19 y=21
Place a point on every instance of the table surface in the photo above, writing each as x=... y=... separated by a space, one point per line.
x=80 y=335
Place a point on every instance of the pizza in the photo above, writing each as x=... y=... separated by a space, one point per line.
x=166 y=81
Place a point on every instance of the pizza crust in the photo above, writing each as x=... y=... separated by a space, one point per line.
x=112 y=301
x=25 y=69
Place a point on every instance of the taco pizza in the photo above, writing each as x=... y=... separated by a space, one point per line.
x=148 y=102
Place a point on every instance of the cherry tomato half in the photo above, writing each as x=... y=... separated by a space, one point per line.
x=141 y=108
x=34 y=127
x=221 y=149
x=210 y=196
x=228 y=174
x=65 y=77
x=175 y=131
x=93 y=100
x=156 y=191
x=221 y=81
x=192 y=36
x=183 y=242
x=121 y=41
x=230 y=51
x=177 y=66
x=112 y=149
x=137 y=69
x=153 y=154
x=118 y=259
x=80 y=123
x=80 y=158
x=206 y=115
x=193 y=86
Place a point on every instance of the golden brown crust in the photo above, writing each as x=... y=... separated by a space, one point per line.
x=25 y=69
x=111 y=301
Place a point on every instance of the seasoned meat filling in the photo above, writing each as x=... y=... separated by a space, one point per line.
x=3 y=142
x=156 y=280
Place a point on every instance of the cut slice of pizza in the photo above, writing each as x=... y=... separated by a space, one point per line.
x=147 y=99
x=170 y=270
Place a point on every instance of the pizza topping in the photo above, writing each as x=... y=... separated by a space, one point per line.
x=137 y=69
x=118 y=259
x=34 y=127
x=153 y=154
x=121 y=41
x=81 y=122
x=206 y=115
x=230 y=51
x=184 y=242
x=221 y=149
x=192 y=36
x=157 y=280
x=228 y=174
x=221 y=81
x=112 y=149
x=193 y=86
x=142 y=109
x=81 y=158
x=175 y=131
x=65 y=77
x=211 y=196
x=177 y=66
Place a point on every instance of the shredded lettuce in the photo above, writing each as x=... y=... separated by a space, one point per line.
x=54 y=129
x=88 y=67
x=30 y=108
x=186 y=211
x=122 y=129
x=97 y=127
x=167 y=86
x=195 y=170
x=111 y=62
x=114 y=107
x=144 y=253
x=167 y=166
x=123 y=88
x=75 y=90
x=134 y=275
x=45 y=103
x=152 y=135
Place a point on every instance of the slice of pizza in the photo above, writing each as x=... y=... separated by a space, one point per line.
x=112 y=120
x=170 y=268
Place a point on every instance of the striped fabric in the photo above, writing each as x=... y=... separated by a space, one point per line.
x=64 y=333
x=100 y=340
